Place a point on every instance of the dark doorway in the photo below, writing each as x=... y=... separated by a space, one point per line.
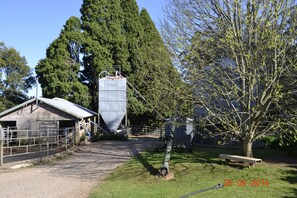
x=66 y=123
x=10 y=124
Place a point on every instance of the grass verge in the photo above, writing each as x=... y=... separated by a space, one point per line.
x=199 y=170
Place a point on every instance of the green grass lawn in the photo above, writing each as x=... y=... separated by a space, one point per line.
x=198 y=170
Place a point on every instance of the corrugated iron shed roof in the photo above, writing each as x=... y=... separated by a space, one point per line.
x=58 y=103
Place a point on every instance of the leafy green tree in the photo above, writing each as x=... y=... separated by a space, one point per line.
x=59 y=72
x=15 y=77
x=286 y=111
x=235 y=54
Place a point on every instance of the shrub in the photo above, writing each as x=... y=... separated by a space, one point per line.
x=96 y=137
x=271 y=142
x=110 y=136
x=82 y=137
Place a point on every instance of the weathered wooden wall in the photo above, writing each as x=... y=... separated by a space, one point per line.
x=29 y=116
x=32 y=117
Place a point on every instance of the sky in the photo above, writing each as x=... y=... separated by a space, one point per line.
x=30 y=26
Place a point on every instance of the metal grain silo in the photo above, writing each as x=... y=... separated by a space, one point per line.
x=112 y=100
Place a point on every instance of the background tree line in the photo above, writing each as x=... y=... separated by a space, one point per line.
x=15 y=77
x=108 y=36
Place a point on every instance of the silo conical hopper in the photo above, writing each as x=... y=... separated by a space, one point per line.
x=112 y=100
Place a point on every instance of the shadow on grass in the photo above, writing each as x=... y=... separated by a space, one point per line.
x=200 y=155
x=292 y=177
x=152 y=170
x=206 y=156
x=295 y=193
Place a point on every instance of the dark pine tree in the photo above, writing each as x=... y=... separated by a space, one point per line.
x=105 y=45
x=59 y=72
x=156 y=78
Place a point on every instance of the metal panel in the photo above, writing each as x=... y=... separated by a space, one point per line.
x=1 y=134
x=183 y=131
x=112 y=101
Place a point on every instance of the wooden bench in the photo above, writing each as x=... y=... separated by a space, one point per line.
x=237 y=158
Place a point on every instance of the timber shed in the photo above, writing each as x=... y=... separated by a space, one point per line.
x=45 y=113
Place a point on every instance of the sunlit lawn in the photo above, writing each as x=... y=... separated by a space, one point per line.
x=199 y=170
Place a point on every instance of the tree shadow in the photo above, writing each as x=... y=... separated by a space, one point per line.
x=291 y=176
x=205 y=158
x=151 y=169
x=294 y=192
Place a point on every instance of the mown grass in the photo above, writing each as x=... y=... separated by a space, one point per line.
x=198 y=170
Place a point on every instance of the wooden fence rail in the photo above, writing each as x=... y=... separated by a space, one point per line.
x=21 y=142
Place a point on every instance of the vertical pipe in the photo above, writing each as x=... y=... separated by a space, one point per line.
x=37 y=91
x=72 y=136
x=1 y=145
x=1 y=152
x=58 y=139
x=7 y=137
x=98 y=103
x=126 y=120
x=66 y=138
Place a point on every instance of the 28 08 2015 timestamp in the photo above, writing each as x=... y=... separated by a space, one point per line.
x=247 y=183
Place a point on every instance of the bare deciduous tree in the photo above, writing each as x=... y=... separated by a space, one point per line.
x=235 y=55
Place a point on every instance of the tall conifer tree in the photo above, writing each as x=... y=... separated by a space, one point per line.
x=105 y=43
x=156 y=78
x=113 y=33
x=59 y=72
x=133 y=31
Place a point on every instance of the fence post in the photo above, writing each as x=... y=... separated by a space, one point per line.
x=73 y=136
x=1 y=145
x=66 y=137
x=7 y=137
x=1 y=152
x=58 y=138
x=47 y=143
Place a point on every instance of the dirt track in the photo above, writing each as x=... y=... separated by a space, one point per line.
x=74 y=176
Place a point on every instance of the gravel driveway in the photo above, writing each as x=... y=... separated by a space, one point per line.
x=74 y=176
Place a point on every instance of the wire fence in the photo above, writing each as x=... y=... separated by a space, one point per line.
x=147 y=130
x=22 y=142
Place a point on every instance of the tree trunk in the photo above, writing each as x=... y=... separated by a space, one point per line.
x=164 y=170
x=247 y=150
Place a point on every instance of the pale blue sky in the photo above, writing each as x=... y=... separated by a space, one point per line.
x=31 y=25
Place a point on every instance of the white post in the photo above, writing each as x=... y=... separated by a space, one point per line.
x=66 y=138
x=36 y=90
x=1 y=145
x=1 y=152
x=72 y=134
